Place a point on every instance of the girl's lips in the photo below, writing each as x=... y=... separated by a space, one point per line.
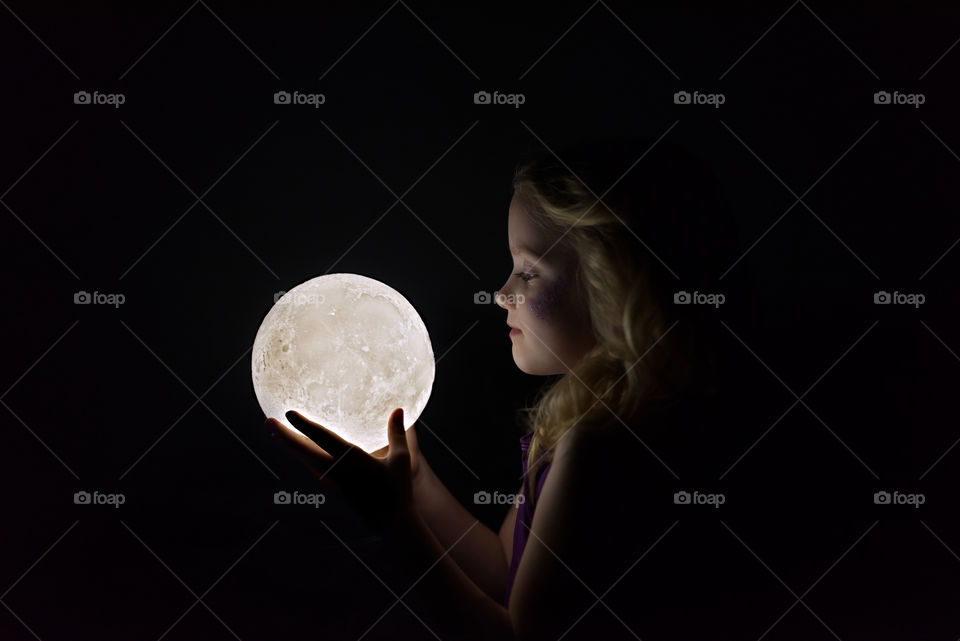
x=515 y=332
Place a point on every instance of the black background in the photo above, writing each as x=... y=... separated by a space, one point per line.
x=106 y=199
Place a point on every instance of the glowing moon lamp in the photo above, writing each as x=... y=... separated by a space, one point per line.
x=344 y=350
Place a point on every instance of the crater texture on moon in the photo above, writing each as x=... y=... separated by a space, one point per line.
x=344 y=350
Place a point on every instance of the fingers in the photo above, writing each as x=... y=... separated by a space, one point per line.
x=320 y=435
x=396 y=435
x=311 y=453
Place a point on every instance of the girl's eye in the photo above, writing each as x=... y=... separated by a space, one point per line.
x=524 y=276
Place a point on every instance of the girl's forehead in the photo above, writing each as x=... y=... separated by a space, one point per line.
x=528 y=239
x=525 y=236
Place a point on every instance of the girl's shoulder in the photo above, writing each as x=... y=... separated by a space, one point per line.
x=641 y=451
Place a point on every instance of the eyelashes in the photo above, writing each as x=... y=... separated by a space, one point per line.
x=524 y=276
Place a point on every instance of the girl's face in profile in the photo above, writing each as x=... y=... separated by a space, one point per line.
x=543 y=299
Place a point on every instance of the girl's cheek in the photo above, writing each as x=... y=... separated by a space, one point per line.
x=546 y=304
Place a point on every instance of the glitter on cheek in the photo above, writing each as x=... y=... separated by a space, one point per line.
x=545 y=305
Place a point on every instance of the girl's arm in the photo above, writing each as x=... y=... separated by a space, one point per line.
x=566 y=564
x=441 y=594
x=482 y=554
x=585 y=537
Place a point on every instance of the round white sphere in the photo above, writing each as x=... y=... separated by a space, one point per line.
x=344 y=350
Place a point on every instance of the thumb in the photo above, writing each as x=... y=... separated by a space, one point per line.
x=396 y=435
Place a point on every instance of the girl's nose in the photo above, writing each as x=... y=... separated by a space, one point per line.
x=503 y=300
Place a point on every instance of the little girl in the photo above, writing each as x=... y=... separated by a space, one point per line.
x=615 y=246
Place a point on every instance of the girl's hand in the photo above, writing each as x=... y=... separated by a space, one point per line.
x=417 y=462
x=378 y=487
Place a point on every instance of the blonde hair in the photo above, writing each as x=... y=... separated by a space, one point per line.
x=649 y=354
